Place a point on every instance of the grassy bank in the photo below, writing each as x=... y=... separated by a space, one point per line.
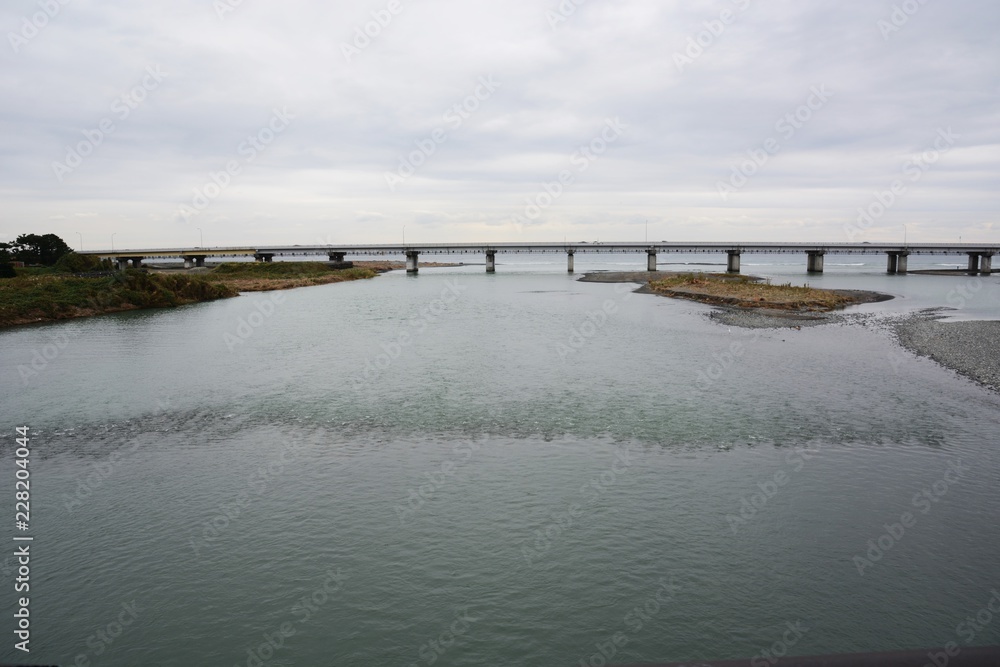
x=41 y=297
x=45 y=294
x=265 y=276
x=747 y=292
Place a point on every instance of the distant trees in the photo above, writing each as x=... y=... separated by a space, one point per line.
x=45 y=249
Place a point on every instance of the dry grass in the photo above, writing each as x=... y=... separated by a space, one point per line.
x=267 y=276
x=745 y=292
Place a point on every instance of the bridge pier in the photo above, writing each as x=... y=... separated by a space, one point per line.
x=569 y=261
x=337 y=256
x=815 y=262
x=191 y=261
x=733 y=262
x=122 y=263
x=263 y=257
x=973 y=262
x=986 y=263
x=411 y=261
x=896 y=262
x=651 y=260
x=491 y=261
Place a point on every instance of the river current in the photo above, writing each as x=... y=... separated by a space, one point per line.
x=519 y=469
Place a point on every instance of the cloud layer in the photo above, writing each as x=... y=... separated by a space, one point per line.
x=303 y=122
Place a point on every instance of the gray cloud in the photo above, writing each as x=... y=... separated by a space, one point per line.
x=324 y=176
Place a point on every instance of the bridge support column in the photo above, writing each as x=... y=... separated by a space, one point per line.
x=337 y=256
x=411 y=261
x=893 y=262
x=122 y=263
x=986 y=264
x=263 y=257
x=199 y=261
x=733 y=263
x=137 y=262
x=973 y=262
x=569 y=262
x=901 y=262
x=491 y=261
x=815 y=262
x=651 y=260
x=188 y=262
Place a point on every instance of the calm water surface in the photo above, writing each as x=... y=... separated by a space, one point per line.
x=463 y=469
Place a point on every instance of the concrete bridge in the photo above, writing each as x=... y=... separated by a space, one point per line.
x=980 y=257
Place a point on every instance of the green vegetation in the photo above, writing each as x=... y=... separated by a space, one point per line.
x=32 y=298
x=74 y=263
x=747 y=292
x=45 y=249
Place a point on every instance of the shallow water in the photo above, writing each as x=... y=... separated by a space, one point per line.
x=507 y=466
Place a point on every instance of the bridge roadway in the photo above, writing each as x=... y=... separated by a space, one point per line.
x=980 y=256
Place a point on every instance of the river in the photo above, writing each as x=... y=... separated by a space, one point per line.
x=520 y=469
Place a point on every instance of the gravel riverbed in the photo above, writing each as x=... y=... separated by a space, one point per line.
x=969 y=348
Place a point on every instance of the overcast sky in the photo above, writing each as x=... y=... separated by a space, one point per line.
x=265 y=123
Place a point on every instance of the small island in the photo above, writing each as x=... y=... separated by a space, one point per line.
x=744 y=293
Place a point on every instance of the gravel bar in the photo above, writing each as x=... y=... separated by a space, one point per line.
x=969 y=348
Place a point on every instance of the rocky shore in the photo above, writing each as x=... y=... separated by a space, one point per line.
x=968 y=348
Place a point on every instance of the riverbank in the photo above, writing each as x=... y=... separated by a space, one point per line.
x=32 y=297
x=968 y=348
x=270 y=276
